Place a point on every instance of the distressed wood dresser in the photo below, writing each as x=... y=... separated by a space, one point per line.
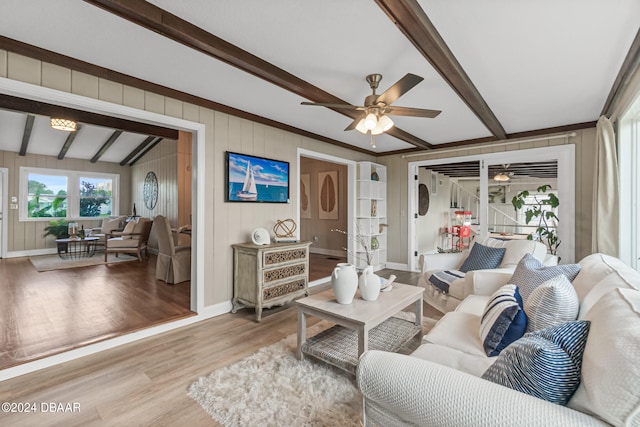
x=268 y=275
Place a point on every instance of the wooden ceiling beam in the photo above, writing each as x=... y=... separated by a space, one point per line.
x=67 y=143
x=137 y=150
x=115 y=135
x=175 y=28
x=29 y=106
x=49 y=56
x=145 y=151
x=26 y=135
x=414 y=23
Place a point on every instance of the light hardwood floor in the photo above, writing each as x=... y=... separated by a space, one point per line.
x=146 y=382
x=53 y=311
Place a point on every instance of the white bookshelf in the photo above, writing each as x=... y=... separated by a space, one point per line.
x=371 y=213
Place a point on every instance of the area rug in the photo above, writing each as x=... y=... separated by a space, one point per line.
x=273 y=388
x=54 y=262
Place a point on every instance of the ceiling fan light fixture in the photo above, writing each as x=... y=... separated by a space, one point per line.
x=361 y=128
x=501 y=177
x=377 y=130
x=370 y=121
x=64 y=124
x=385 y=122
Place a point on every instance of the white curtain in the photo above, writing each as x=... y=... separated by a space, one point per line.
x=605 y=225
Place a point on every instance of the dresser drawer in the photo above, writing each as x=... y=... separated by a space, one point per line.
x=284 y=289
x=283 y=256
x=284 y=272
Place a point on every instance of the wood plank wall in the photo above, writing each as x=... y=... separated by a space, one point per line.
x=27 y=235
x=397 y=167
x=224 y=223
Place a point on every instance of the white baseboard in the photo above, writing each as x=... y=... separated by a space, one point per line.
x=397 y=266
x=32 y=252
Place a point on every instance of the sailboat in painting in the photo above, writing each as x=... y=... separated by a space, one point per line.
x=249 y=191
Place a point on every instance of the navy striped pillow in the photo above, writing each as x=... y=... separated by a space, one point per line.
x=503 y=320
x=545 y=363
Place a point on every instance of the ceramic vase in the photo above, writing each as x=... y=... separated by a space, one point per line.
x=344 y=280
x=369 y=284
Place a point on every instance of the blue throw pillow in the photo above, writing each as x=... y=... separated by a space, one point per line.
x=482 y=258
x=503 y=320
x=531 y=273
x=545 y=363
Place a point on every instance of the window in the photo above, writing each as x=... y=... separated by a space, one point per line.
x=629 y=179
x=52 y=193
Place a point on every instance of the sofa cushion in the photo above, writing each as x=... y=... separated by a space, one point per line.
x=482 y=258
x=596 y=267
x=516 y=249
x=459 y=331
x=503 y=320
x=444 y=355
x=110 y=224
x=545 y=364
x=531 y=273
x=610 y=370
x=553 y=302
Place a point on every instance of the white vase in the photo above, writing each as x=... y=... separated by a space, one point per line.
x=369 y=284
x=344 y=280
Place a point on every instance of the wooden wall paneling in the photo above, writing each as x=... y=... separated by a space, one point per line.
x=133 y=97
x=56 y=77
x=154 y=102
x=173 y=107
x=3 y=63
x=111 y=91
x=221 y=224
x=24 y=69
x=84 y=84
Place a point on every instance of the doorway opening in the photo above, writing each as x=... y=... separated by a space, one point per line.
x=325 y=204
x=465 y=189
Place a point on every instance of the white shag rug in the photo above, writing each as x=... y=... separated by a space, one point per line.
x=273 y=388
x=54 y=262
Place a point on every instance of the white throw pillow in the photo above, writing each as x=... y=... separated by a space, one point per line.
x=553 y=302
x=610 y=386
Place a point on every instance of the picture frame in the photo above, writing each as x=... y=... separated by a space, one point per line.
x=255 y=179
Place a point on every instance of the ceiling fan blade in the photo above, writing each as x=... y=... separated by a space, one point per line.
x=408 y=111
x=341 y=106
x=354 y=123
x=401 y=87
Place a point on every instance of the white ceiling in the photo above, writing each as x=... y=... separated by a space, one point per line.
x=537 y=64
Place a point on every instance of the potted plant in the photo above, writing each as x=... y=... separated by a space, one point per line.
x=59 y=228
x=546 y=230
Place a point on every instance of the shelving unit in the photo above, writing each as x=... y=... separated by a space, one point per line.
x=371 y=213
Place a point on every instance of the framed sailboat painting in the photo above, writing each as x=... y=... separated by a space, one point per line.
x=256 y=179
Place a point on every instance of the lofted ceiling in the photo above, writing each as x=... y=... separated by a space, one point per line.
x=497 y=69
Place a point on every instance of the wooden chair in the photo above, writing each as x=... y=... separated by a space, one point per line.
x=133 y=239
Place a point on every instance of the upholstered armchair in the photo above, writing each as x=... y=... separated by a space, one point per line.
x=174 y=262
x=109 y=225
x=133 y=239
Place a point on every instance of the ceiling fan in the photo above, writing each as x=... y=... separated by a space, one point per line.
x=504 y=175
x=377 y=108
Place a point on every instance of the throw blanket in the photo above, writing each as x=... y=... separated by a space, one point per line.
x=442 y=279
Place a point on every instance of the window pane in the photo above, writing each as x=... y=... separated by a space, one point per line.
x=96 y=195
x=47 y=196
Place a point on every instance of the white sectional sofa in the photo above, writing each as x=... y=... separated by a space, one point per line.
x=478 y=282
x=440 y=383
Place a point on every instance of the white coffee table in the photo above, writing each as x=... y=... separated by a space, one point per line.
x=360 y=325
